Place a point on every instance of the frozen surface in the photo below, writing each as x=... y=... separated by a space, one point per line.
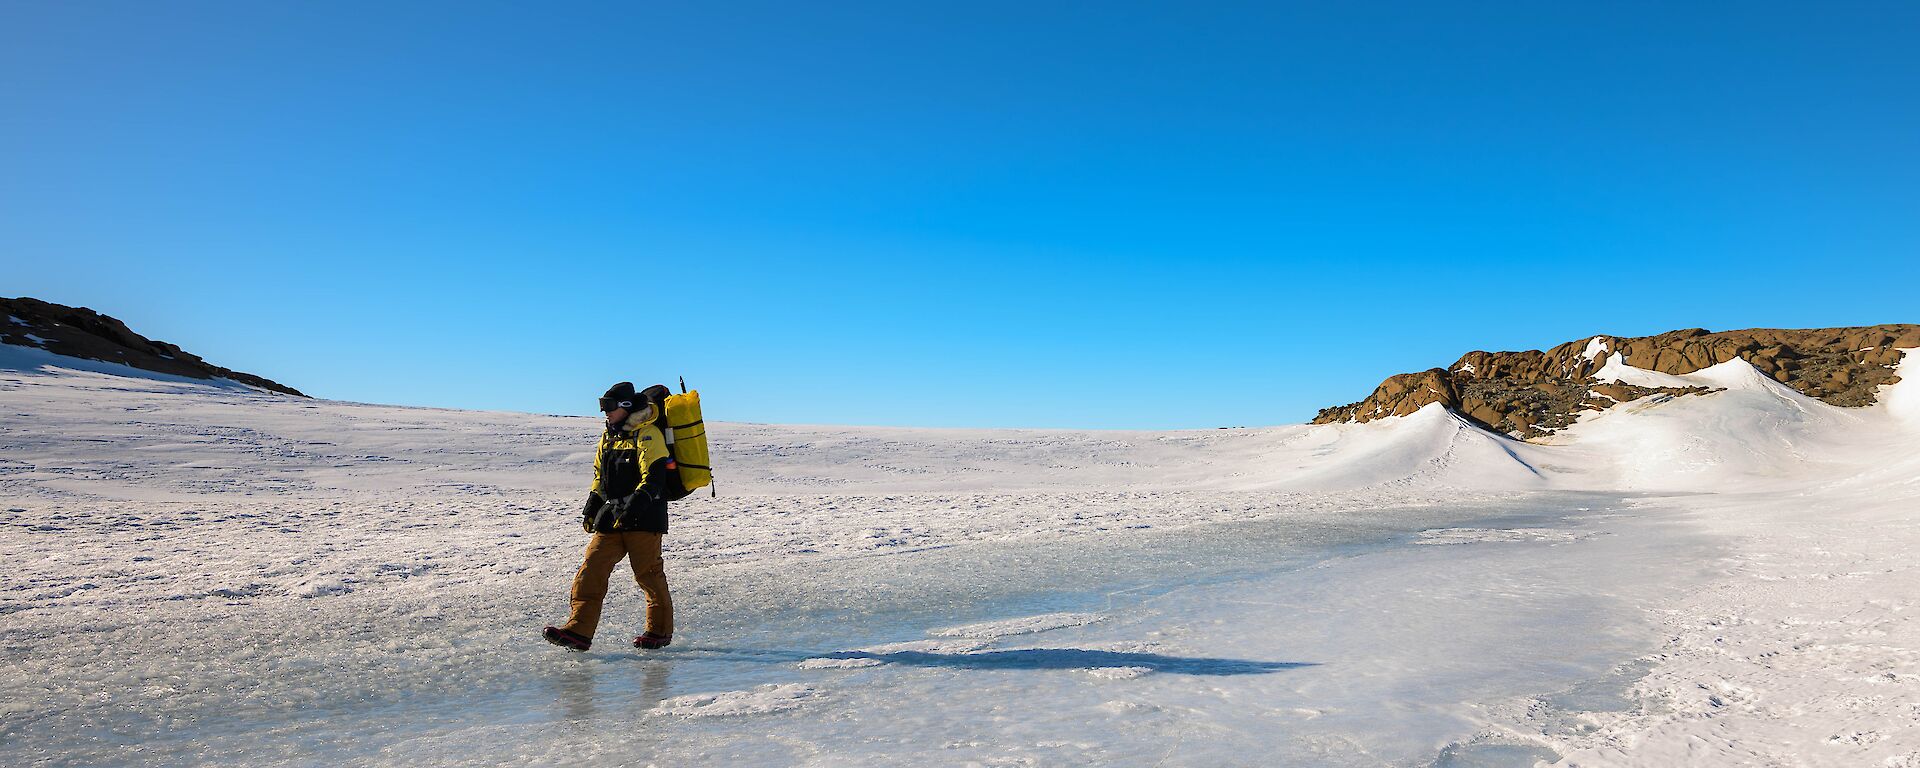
x=207 y=573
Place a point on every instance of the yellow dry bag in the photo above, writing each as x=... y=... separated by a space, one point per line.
x=686 y=435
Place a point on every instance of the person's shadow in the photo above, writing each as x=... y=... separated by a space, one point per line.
x=1072 y=658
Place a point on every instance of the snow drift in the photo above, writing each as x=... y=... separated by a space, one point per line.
x=1747 y=433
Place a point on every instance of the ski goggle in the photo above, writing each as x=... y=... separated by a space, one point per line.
x=608 y=404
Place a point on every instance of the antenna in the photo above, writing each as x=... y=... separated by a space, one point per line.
x=683 y=385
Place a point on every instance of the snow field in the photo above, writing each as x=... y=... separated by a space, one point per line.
x=212 y=574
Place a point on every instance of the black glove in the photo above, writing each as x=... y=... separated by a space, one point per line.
x=607 y=515
x=594 y=502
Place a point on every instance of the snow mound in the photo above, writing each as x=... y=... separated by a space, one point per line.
x=1901 y=400
x=1753 y=433
x=1432 y=447
x=1748 y=432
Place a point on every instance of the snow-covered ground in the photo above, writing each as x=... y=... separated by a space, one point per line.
x=206 y=573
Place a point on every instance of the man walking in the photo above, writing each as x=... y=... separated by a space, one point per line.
x=633 y=475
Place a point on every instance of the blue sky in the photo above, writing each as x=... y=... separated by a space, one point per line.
x=966 y=214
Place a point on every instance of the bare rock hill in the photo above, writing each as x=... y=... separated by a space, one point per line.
x=1532 y=393
x=82 y=332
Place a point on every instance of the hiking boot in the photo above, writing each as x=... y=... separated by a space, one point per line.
x=571 y=641
x=651 y=641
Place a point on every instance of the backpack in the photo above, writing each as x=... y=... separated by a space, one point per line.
x=686 y=435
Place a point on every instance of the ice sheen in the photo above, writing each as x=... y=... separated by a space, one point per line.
x=210 y=573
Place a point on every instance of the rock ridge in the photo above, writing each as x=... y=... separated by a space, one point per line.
x=1533 y=393
x=84 y=333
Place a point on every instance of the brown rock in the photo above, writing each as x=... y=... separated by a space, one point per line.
x=1534 y=392
x=83 y=333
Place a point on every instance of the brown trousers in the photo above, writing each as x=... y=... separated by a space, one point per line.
x=649 y=570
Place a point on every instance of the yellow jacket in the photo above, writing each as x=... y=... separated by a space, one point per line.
x=633 y=461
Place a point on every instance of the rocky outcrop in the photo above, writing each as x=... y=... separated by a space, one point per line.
x=84 y=333
x=1532 y=393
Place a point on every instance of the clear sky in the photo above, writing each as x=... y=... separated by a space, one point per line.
x=949 y=214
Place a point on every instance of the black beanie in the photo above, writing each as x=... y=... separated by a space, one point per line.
x=621 y=392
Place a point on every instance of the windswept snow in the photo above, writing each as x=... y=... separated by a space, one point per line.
x=205 y=572
x=1430 y=448
x=1754 y=434
x=1616 y=369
